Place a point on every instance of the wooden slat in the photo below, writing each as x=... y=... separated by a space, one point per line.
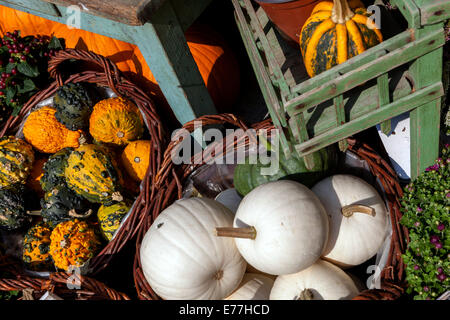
x=435 y=11
x=331 y=89
x=409 y=10
x=338 y=103
x=37 y=5
x=131 y=12
x=298 y=129
x=410 y=102
x=383 y=100
x=367 y=56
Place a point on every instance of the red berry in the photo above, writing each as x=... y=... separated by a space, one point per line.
x=23 y=58
x=14 y=71
x=1 y=93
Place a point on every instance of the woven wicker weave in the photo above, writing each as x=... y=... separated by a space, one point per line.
x=171 y=178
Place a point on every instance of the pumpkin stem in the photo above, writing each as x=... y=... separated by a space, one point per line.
x=74 y=214
x=244 y=233
x=120 y=134
x=341 y=12
x=348 y=211
x=306 y=294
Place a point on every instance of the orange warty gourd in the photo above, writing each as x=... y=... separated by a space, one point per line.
x=116 y=121
x=47 y=135
x=35 y=176
x=136 y=158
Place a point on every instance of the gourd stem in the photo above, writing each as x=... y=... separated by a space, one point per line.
x=341 y=12
x=348 y=211
x=244 y=233
x=306 y=294
x=34 y=213
x=74 y=214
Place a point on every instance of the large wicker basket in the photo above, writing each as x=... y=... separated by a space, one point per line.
x=171 y=180
x=103 y=73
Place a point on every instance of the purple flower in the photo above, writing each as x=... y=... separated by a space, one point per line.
x=441 y=226
x=434 y=167
x=448 y=195
x=441 y=277
x=434 y=239
x=426 y=289
x=416 y=267
x=438 y=245
x=419 y=209
x=417 y=223
x=440 y=270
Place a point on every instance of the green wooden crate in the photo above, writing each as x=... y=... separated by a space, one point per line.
x=402 y=74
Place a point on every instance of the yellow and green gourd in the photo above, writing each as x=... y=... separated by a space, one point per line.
x=335 y=32
x=16 y=161
x=36 y=247
x=110 y=217
x=93 y=173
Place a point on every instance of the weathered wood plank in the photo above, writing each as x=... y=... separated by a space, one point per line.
x=383 y=100
x=373 y=69
x=410 y=102
x=37 y=5
x=164 y=47
x=338 y=103
x=434 y=12
x=425 y=120
x=367 y=56
x=409 y=10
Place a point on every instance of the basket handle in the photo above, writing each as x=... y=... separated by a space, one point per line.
x=110 y=69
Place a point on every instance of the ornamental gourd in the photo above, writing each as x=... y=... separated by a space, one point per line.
x=54 y=168
x=136 y=158
x=334 y=33
x=321 y=281
x=358 y=219
x=36 y=248
x=36 y=174
x=183 y=259
x=73 y=243
x=16 y=160
x=12 y=207
x=48 y=135
x=62 y=204
x=73 y=104
x=92 y=172
x=110 y=218
x=248 y=176
x=116 y=121
x=280 y=227
x=253 y=287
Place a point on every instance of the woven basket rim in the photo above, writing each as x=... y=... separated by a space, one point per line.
x=170 y=180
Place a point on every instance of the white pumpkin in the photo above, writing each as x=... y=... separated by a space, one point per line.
x=280 y=227
x=254 y=286
x=321 y=281
x=356 y=232
x=183 y=259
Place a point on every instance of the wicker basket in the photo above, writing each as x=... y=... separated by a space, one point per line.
x=171 y=178
x=109 y=77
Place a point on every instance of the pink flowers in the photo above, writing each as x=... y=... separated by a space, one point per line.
x=419 y=209
x=434 y=239
x=441 y=226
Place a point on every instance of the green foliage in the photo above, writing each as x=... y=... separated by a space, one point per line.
x=9 y=295
x=425 y=207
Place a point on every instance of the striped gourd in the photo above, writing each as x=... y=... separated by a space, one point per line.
x=334 y=33
x=91 y=172
x=16 y=160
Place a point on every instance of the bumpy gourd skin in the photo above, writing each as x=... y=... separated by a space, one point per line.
x=36 y=248
x=136 y=158
x=73 y=243
x=73 y=106
x=92 y=173
x=12 y=207
x=46 y=134
x=116 y=121
x=61 y=203
x=16 y=160
x=110 y=217
x=53 y=170
x=325 y=44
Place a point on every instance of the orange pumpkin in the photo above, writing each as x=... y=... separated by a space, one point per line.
x=35 y=176
x=136 y=157
x=28 y=24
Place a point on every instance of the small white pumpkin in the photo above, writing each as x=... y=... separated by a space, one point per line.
x=358 y=219
x=321 y=281
x=183 y=259
x=280 y=227
x=254 y=286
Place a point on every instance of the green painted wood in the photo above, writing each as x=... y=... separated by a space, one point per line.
x=383 y=100
x=299 y=132
x=429 y=42
x=367 y=56
x=164 y=47
x=37 y=5
x=338 y=103
x=409 y=10
x=187 y=11
x=425 y=120
x=267 y=89
x=420 y=97
x=434 y=12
